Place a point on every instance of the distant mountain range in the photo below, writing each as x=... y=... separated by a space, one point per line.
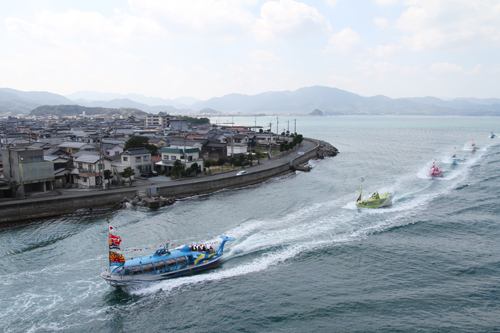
x=331 y=101
x=94 y=98
x=75 y=110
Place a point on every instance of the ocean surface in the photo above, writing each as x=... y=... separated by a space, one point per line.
x=305 y=259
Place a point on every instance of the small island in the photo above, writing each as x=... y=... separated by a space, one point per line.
x=316 y=112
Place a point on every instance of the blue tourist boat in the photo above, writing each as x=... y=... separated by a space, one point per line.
x=163 y=264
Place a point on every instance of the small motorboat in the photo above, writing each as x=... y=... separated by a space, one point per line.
x=473 y=147
x=375 y=201
x=454 y=158
x=163 y=264
x=436 y=171
x=492 y=135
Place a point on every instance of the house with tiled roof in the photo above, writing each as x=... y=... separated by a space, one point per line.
x=88 y=171
x=187 y=155
x=139 y=159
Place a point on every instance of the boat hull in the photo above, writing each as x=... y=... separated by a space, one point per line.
x=129 y=280
x=384 y=201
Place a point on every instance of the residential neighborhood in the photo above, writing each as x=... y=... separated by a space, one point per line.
x=84 y=152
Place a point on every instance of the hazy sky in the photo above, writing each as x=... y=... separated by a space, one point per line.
x=207 y=48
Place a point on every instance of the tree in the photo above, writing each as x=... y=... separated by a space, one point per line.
x=136 y=142
x=206 y=164
x=128 y=172
x=241 y=159
x=232 y=160
x=152 y=149
x=108 y=174
x=195 y=168
x=221 y=162
x=178 y=168
x=141 y=142
x=258 y=154
x=250 y=158
x=298 y=138
x=261 y=130
x=14 y=186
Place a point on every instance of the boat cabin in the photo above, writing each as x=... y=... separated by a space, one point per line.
x=158 y=266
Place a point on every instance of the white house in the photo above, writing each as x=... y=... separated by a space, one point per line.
x=88 y=171
x=139 y=159
x=188 y=157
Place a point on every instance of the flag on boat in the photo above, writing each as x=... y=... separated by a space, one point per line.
x=116 y=259
x=360 y=192
x=114 y=241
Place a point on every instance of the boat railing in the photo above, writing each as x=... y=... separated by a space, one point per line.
x=105 y=272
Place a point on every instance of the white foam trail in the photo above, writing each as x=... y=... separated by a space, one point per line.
x=256 y=265
x=289 y=236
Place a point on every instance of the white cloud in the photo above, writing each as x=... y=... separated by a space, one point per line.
x=260 y=56
x=332 y=3
x=438 y=23
x=445 y=68
x=383 y=68
x=346 y=41
x=221 y=20
x=476 y=70
x=289 y=19
x=77 y=26
x=381 y=22
x=384 y=51
x=386 y=2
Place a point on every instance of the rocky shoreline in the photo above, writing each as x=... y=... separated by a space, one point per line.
x=325 y=149
x=138 y=201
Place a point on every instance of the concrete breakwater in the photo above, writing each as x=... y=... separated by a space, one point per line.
x=52 y=206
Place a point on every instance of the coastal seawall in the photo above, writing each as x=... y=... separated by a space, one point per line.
x=52 y=206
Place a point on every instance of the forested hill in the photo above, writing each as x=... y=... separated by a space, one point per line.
x=74 y=110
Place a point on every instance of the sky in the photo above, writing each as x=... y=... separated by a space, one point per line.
x=210 y=48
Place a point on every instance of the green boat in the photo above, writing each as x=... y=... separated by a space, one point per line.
x=375 y=201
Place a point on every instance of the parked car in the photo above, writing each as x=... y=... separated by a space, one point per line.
x=242 y=172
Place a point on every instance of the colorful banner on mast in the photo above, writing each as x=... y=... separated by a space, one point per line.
x=115 y=258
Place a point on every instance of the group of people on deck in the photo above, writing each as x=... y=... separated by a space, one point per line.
x=201 y=248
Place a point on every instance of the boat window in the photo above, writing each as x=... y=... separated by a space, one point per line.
x=148 y=268
x=181 y=260
x=170 y=262
x=137 y=269
x=119 y=271
x=159 y=264
x=128 y=271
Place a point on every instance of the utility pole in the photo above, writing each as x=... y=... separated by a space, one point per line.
x=100 y=166
x=288 y=126
x=295 y=126
x=232 y=140
x=185 y=162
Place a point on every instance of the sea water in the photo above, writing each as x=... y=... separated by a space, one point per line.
x=305 y=258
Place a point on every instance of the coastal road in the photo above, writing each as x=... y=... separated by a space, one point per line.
x=162 y=181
